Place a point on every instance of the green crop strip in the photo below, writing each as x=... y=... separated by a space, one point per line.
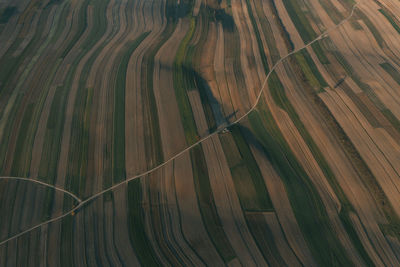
x=307 y=204
x=310 y=70
x=137 y=234
x=119 y=111
x=99 y=23
x=181 y=84
x=320 y=53
x=375 y=32
x=246 y=174
x=391 y=71
x=153 y=144
x=367 y=89
x=32 y=51
x=82 y=25
x=267 y=31
x=67 y=247
x=264 y=239
x=28 y=127
x=280 y=98
x=332 y=11
x=7 y=13
x=390 y=18
x=52 y=144
x=78 y=156
x=207 y=207
x=258 y=37
x=297 y=15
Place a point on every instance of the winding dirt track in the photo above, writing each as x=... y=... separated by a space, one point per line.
x=220 y=129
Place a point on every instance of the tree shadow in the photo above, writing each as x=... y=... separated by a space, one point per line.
x=209 y=100
x=220 y=15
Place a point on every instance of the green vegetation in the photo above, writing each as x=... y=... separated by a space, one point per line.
x=207 y=207
x=280 y=98
x=67 y=247
x=7 y=13
x=310 y=70
x=300 y=21
x=196 y=81
x=246 y=174
x=391 y=118
x=175 y=11
x=375 y=32
x=119 y=111
x=258 y=37
x=140 y=241
x=153 y=145
x=391 y=19
x=181 y=83
x=8 y=69
x=28 y=126
x=320 y=53
x=78 y=155
x=332 y=11
x=264 y=239
x=368 y=90
x=82 y=25
x=391 y=71
x=267 y=31
x=282 y=27
x=305 y=200
x=99 y=23
x=53 y=135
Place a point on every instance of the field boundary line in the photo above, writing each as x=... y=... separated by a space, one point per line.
x=219 y=130
x=32 y=180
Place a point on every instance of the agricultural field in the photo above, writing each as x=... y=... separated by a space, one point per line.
x=199 y=133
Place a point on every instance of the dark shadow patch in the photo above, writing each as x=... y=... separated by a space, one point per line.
x=220 y=15
x=212 y=107
x=7 y=13
x=175 y=11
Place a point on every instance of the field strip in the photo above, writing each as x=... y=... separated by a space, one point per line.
x=220 y=129
x=42 y=183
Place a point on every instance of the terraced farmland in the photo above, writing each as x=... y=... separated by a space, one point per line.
x=199 y=132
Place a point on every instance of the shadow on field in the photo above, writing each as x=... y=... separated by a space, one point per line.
x=174 y=11
x=208 y=98
x=220 y=15
x=213 y=109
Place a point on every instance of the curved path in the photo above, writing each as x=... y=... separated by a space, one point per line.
x=42 y=183
x=220 y=129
